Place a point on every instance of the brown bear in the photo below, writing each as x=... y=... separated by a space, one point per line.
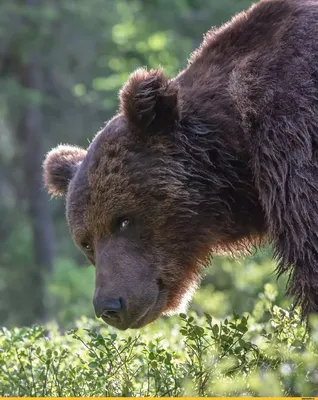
x=223 y=156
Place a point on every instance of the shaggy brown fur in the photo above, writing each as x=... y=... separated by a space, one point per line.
x=223 y=155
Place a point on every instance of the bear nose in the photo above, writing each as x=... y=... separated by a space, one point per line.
x=109 y=308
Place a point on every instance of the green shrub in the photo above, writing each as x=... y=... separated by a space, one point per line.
x=182 y=356
x=71 y=290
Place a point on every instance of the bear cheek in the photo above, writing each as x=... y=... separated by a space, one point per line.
x=181 y=277
x=179 y=294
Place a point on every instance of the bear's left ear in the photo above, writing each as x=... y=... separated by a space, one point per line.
x=59 y=167
x=149 y=101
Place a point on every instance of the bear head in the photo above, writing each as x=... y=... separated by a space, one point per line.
x=134 y=205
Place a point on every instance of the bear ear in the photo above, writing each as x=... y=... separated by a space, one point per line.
x=59 y=167
x=149 y=101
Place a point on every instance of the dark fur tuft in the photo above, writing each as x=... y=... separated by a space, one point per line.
x=149 y=101
x=59 y=167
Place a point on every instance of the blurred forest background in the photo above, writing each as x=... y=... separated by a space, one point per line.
x=61 y=66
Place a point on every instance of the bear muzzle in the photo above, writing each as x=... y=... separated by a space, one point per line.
x=123 y=314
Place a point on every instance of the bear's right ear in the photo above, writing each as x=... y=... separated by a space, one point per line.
x=59 y=167
x=149 y=101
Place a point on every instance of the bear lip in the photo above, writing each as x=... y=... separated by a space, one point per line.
x=123 y=325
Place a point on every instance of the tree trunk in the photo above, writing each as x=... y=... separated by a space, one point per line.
x=30 y=137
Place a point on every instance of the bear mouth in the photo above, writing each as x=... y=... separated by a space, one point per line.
x=154 y=311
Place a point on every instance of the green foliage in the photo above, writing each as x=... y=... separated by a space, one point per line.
x=234 y=285
x=191 y=356
x=17 y=272
x=71 y=289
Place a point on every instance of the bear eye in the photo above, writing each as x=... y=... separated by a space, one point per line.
x=124 y=223
x=87 y=247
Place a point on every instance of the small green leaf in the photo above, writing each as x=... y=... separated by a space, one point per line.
x=215 y=329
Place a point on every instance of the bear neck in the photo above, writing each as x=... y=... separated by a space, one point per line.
x=218 y=165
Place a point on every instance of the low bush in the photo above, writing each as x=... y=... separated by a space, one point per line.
x=180 y=356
